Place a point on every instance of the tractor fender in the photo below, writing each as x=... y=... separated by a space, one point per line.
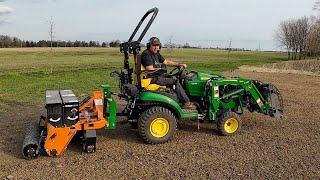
x=147 y=99
x=148 y=104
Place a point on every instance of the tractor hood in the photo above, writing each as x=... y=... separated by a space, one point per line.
x=197 y=81
x=206 y=77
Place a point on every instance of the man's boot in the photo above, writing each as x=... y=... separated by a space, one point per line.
x=189 y=105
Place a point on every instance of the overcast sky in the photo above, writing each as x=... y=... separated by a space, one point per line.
x=209 y=23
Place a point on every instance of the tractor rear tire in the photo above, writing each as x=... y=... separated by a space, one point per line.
x=229 y=123
x=157 y=125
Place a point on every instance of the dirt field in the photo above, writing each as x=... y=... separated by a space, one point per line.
x=266 y=148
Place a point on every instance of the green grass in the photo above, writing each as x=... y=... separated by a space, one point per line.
x=25 y=73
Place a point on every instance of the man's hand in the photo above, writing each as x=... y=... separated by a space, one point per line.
x=174 y=64
x=183 y=65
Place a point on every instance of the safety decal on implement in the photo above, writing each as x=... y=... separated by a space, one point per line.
x=98 y=102
x=259 y=102
x=216 y=91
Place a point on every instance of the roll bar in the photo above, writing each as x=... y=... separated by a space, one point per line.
x=133 y=47
x=155 y=12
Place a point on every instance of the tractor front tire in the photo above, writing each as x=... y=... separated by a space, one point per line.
x=157 y=125
x=229 y=123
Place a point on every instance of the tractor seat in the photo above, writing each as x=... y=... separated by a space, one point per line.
x=146 y=81
x=143 y=77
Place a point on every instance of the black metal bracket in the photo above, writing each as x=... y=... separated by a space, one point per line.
x=131 y=47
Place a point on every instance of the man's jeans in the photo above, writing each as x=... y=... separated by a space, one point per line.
x=170 y=82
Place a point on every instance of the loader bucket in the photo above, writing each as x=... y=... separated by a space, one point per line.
x=275 y=102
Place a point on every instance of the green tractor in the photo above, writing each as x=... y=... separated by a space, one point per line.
x=155 y=110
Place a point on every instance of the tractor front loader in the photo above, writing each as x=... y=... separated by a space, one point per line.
x=151 y=109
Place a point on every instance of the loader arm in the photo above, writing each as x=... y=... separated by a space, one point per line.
x=245 y=89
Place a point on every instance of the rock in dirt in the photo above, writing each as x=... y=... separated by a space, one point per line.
x=9 y=177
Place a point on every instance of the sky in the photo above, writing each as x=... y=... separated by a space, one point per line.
x=248 y=24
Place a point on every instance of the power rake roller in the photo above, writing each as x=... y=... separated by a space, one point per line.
x=65 y=118
x=151 y=109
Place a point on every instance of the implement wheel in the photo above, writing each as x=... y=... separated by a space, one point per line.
x=229 y=123
x=157 y=125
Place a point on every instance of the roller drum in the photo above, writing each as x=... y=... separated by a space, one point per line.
x=31 y=143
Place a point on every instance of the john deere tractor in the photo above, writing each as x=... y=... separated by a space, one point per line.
x=154 y=110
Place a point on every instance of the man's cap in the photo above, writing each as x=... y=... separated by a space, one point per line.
x=155 y=41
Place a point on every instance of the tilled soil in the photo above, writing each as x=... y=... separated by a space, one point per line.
x=265 y=148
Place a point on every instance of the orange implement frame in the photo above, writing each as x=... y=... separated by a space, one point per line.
x=91 y=118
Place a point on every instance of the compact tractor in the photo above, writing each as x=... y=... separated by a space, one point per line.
x=151 y=109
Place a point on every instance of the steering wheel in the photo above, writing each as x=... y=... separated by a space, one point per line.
x=177 y=71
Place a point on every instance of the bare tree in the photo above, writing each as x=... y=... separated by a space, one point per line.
x=294 y=38
x=51 y=33
x=316 y=5
x=292 y=34
x=313 y=38
x=169 y=44
x=303 y=28
x=282 y=36
x=229 y=48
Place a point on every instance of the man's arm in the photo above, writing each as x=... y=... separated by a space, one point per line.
x=150 y=68
x=173 y=64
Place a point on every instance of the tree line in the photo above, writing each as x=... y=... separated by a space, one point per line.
x=300 y=37
x=14 y=42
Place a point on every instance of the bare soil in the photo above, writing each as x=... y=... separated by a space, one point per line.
x=266 y=148
x=306 y=67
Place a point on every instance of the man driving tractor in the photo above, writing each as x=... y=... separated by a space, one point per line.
x=151 y=59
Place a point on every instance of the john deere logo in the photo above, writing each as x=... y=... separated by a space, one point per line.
x=74 y=110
